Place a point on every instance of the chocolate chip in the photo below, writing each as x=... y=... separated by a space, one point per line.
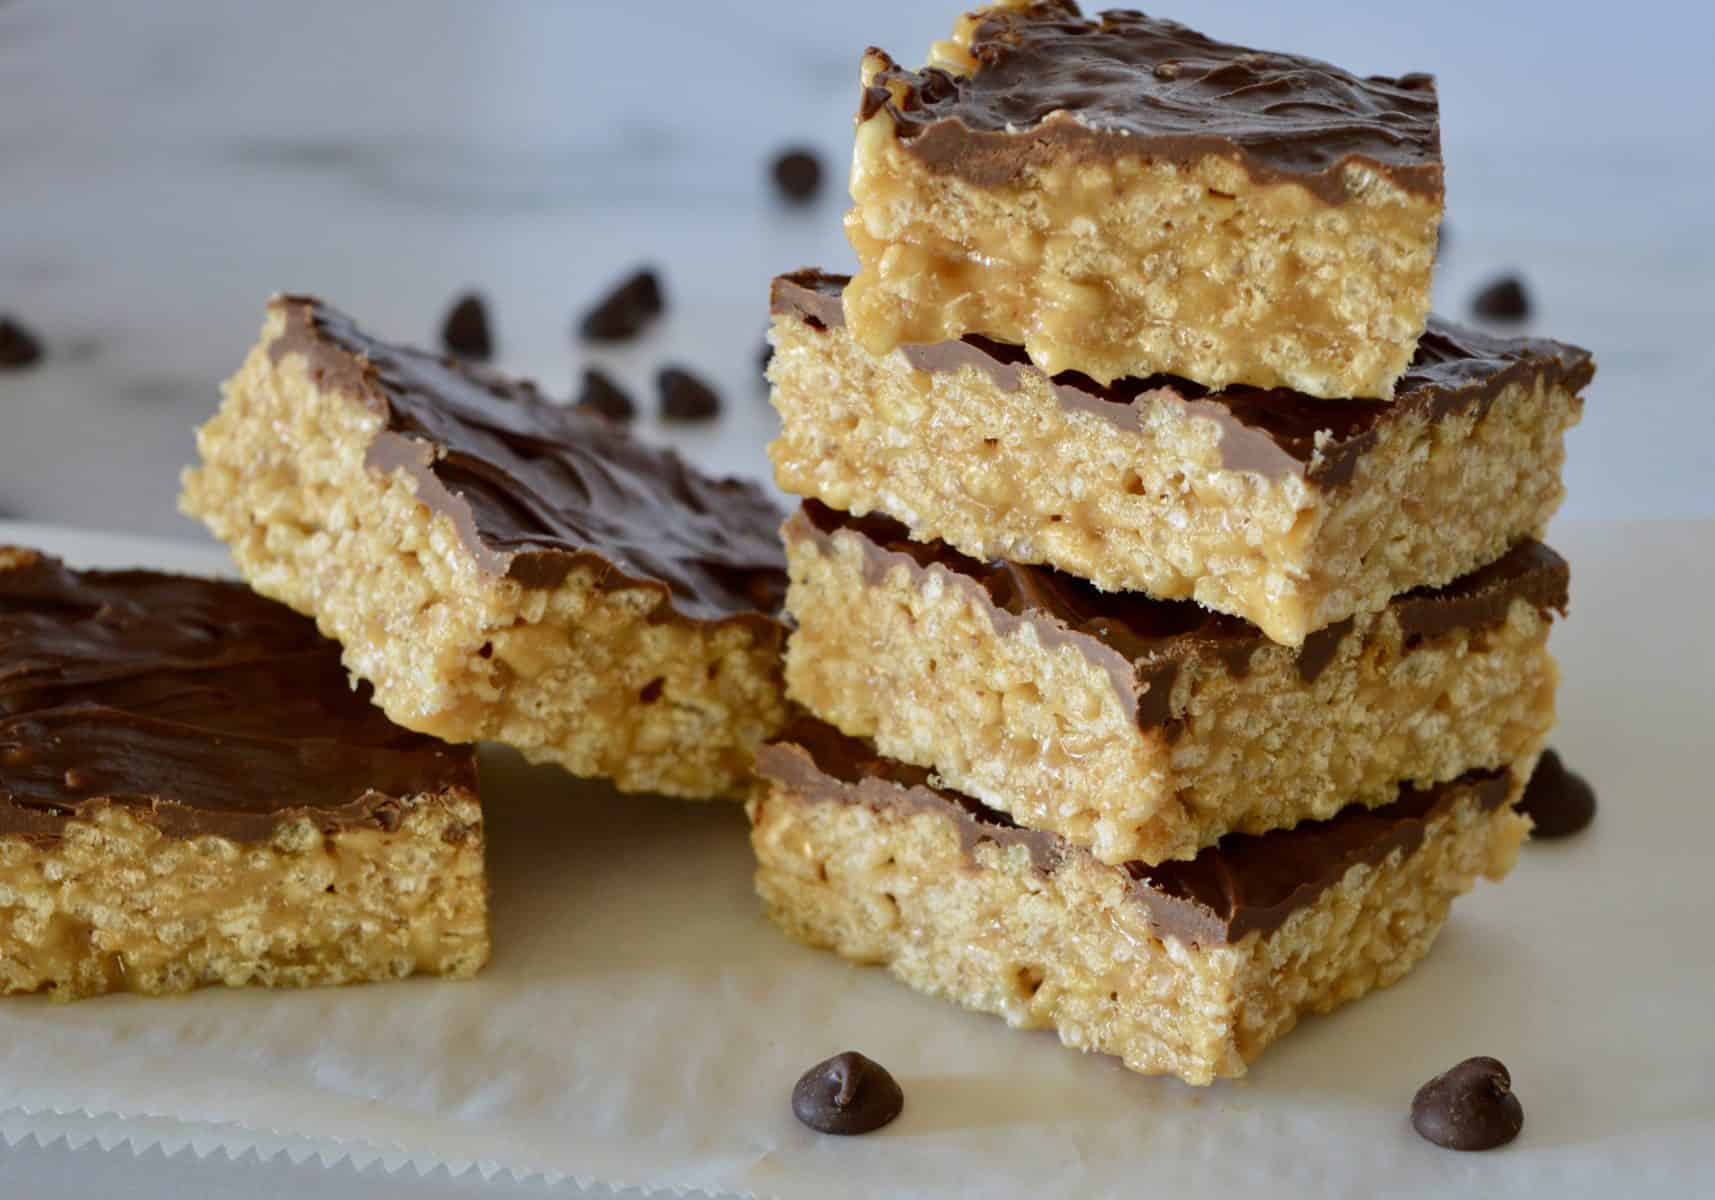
x=764 y=358
x=1470 y=1107
x=602 y=395
x=684 y=397
x=847 y=1094
x=465 y=331
x=1559 y=801
x=798 y=174
x=624 y=312
x=18 y=346
x=1502 y=300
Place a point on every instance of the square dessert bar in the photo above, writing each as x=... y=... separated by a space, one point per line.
x=499 y=567
x=1290 y=513
x=1149 y=729
x=1189 y=969
x=191 y=793
x=1123 y=196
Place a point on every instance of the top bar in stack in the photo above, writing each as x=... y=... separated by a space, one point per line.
x=498 y=567
x=1289 y=512
x=1123 y=196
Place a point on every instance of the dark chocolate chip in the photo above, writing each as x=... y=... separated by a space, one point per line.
x=764 y=358
x=684 y=397
x=847 y=1094
x=18 y=346
x=798 y=174
x=1559 y=801
x=465 y=331
x=1502 y=300
x=602 y=395
x=625 y=310
x=1443 y=235
x=1470 y=1107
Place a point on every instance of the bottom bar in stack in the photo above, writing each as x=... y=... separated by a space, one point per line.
x=1191 y=968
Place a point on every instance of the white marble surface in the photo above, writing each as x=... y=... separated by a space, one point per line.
x=164 y=166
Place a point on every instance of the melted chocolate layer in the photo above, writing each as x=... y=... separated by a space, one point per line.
x=1050 y=82
x=1143 y=643
x=1243 y=883
x=536 y=489
x=1272 y=432
x=198 y=705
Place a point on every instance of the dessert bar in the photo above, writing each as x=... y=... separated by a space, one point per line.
x=1148 y=729
x=499 y=567
x=1189 y=969
x=1123 y=196
x=1291 y=513
x=192 y=793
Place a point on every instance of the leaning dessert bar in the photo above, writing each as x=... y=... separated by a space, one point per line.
x=191 y=793
x=498 y=567
x=1189 y=969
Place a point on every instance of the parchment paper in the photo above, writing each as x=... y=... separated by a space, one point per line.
x=642 y=1025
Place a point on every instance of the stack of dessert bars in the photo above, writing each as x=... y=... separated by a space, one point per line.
x=1170 y=623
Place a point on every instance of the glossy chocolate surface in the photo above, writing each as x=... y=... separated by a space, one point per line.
x=197 y=705
x=536 y=489
x=1050 y=83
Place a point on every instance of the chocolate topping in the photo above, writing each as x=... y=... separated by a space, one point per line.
x=1273 y=432
x=535 y=490
x=1141 y=642
x=1245 y=882
x=197 y=705
x=1049 y=83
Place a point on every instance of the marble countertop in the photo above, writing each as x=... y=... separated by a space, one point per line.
x=163 y=174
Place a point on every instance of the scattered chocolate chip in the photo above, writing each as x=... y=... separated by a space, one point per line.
x=847 y=1094
x=18 y=346
x=465 y=331
x=798 y=174
x=1443 y=235
x=601 y=394
x=1470 y=1107
x=764 y=358
x=1559 y=801
x=624 y=312
x=684 y=397
x=1502 y=300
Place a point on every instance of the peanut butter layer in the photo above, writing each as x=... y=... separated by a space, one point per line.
x=1291 y=513
x=497 y=567
x=1189 y=969
x=1123 y=196
x=1148 y=729
x=191 y=792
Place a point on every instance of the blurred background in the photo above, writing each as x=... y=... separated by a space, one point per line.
x=164 y=167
